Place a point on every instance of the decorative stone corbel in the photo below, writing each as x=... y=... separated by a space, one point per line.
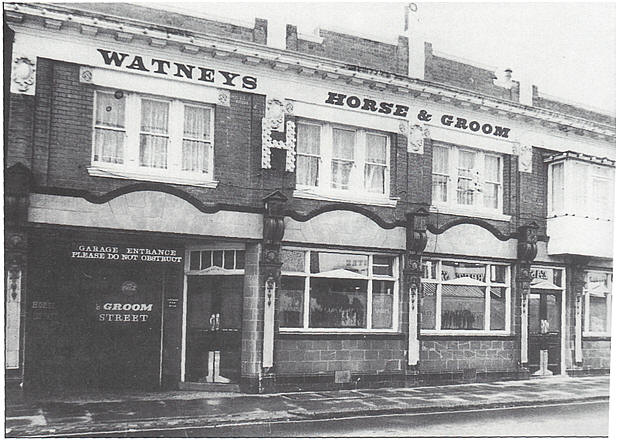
x=223 y=97
x=23 y=74
x=274 y=121
x=526 y=253
x=416 y=134
x=416 y=241
x=524 y=156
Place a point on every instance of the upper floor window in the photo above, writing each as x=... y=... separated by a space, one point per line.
x=580 y=188
x=466 y=178
x=461 y=296
x=142 y=137
x=335 y=158
x=338 y=290
x=597 y=303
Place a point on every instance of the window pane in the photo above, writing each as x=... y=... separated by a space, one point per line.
x=206 y=259
x=557 y=277
x=323 y=262
x=376 y=148
x=291 y=301
x=153 y=151
x=155 y=116
x=598 y=314
x=497 y=319
x=308 y=139
x=429 y=269
x=463 y=271
x=195 y=260
x=375 y=178
x=383 y=265
x=557 y=185
x=553 y=313
x=293 y=260
x=195 y=156
x=534 y=313
x=491 y=195
x=492 y=169
x=217 y=258
x=428 y=306
x=110 y=110
x=601 y=200
x=440 y=160
x=338 y=303
x=439 y=188
x=240 y=259
x=307 y=170
x=498 y=273
x=197 y=123
x=340 y=173
x=109 y=146
x=228 y=262
x=382 y=304
x=343 y=144
x=580 y=190
x=463 y=307
x=465 y=179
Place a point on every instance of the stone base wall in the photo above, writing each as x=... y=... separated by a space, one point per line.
x=459 y=354
x=596 y=354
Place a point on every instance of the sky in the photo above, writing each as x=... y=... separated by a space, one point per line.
x=567 y=49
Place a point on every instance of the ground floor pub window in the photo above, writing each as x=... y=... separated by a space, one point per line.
x=462 y=296
x=597 y=303
x=338 y=290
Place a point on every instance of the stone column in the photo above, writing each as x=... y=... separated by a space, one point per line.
x=416 y=240
x=526 y=253
x=16 y=200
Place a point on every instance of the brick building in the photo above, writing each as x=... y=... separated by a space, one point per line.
x=198 y=204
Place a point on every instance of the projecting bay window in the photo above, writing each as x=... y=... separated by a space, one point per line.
x=343 y=291
x=466 y=179
x=152 y=138
x=597 y=303
x=465 y=297
x=342 y=161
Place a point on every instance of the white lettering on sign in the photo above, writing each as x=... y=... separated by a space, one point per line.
x=173 y=69
x=541 y=274
x=162 y=255
x=465 y=124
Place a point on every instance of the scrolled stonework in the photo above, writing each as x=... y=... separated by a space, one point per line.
x=274 y=121
x=85 y=74
x=416 y=138
x=23 y=75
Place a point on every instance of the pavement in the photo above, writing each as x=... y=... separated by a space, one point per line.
x=112 y=414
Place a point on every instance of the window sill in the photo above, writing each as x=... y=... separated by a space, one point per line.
x=118 y=173
x=345 y=196
x=464 y=333
x=592 y=335
x=470 y=212
x=331 y=331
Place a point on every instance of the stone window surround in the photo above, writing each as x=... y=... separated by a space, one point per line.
x=586 y=316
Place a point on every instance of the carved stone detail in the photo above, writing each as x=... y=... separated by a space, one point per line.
x=526 y=242
x=416 y=138
x=86 y=74
x=524 y=156
x=223 y=97
x=274 y=121
x=23 y=75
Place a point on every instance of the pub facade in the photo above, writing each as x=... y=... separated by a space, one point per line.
x=193 y=204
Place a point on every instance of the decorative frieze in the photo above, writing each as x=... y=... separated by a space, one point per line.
x=274 y=121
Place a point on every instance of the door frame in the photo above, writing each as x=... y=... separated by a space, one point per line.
x=217 y=246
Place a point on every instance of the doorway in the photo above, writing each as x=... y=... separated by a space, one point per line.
x=213 y=327
x=545 y=332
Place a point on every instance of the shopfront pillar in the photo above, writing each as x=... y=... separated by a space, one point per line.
x=16 y=199
x=526 y=253
x=577 y=282
x=416 y=240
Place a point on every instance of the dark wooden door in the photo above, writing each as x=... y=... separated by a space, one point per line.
x=544 y=324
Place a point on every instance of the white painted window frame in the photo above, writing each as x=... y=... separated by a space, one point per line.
x=370 y=277
x=608 y=305
x=477 y=208
x=488 y=285
x=130 y=168
x=356 y=191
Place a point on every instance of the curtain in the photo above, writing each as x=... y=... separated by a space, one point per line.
x=375 y=166
x=557 y=186
x=343 y=157
x=109 y=143
x=491 y=188
x=308 y=152
x=154 y=136
x=440 y=174
x=465 y=184
x=195 y=146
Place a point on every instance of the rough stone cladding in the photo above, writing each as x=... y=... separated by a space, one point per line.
x=466 y=353
x=304 y=356
x=596 y=354
x=59 y=120
x=354 y=50
x=465 y=76
x=175 y=22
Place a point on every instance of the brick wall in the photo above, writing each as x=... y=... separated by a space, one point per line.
x=570 y=109
x=532 y=189
x=596 y=354
x=171 y=20
x=354 y=50
x=61 y=128
x=439 y=356
x=311 y=356
x=465 y=76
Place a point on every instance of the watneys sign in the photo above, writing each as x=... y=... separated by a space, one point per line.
x=172 y=69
